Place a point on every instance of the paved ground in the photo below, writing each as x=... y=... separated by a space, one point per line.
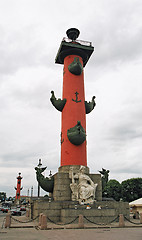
x=21 y=233
x=72 y=234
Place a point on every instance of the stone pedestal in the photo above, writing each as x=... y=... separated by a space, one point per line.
x=62 y=191
x=67 y=211
x=61 y=208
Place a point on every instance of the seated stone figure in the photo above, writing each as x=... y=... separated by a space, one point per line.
x=83 y=188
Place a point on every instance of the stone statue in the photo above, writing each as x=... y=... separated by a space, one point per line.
x=105 y=175
x=46 y=183
x=82 y=187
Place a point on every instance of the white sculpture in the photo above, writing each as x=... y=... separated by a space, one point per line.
x=82 y=187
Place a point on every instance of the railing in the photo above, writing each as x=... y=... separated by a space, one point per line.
x=43 y=221
x=132 y=221
x=85 y=43
x=56 y=223
x=28 y=221
x=102 y=224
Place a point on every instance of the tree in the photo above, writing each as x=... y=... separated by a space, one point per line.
x=131 y=189
x=112 y=190
x=2 y=196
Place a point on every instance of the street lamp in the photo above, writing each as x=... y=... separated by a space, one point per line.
x=31 y=191
x=39 y=165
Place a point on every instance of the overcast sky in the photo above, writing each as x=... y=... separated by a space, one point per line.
x=30 y=35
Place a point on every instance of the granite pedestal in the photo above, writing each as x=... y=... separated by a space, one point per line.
x=63 y=209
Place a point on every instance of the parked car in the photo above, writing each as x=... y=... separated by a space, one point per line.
x=15 y=212
x=22 y=209
x=5 y=209
x=24 y=202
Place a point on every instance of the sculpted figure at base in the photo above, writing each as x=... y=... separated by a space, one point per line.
x=82 y=187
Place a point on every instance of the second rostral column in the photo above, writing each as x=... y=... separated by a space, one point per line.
x=74 y=55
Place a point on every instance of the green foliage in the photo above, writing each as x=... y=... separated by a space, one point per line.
x=131 y=189
x=112 y=190
x=2 y=196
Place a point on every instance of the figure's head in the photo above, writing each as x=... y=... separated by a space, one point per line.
x=82 y=169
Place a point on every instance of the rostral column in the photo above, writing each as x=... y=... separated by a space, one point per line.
x=18 y=188
x=74 y=54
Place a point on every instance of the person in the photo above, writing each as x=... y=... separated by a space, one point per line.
x=86 y=187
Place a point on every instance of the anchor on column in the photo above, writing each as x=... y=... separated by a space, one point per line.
x=76 y=100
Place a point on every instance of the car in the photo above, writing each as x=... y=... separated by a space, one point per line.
x=5 y=209
x=22 y=209
x=15 y=212
x=24 y=202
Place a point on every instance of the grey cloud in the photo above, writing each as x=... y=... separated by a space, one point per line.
x=126 y=124
x=115 y=52
x=19 y=49
x=132 y=168
x=18 y=159
x=116 y=34
x=125 y=132
x=37 y=97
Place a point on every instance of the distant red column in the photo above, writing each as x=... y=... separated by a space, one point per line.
x=73 y=111
x=18 y=189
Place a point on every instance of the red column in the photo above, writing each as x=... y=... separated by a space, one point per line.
x=18 y=189
x=73 y=89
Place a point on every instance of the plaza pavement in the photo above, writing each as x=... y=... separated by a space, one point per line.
x=72 y=234
x=30 y=231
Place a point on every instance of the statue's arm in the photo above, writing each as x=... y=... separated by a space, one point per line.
x=76 y=176
x=89 y=180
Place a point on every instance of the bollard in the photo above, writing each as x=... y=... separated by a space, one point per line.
x=27 y=212
x=141 y=217
x=40 y=219
x=121 y=220
x=137 y=215
x=80 y=221
x=8 y=220
x=43 y=222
